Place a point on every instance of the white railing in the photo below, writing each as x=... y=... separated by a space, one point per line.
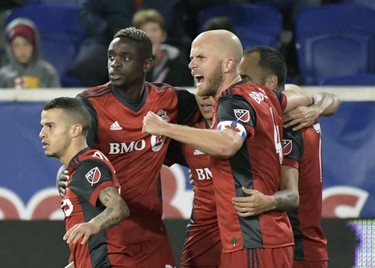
x=347 y=93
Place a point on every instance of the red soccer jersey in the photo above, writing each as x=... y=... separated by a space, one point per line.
x=256 y=113
x=204 y=207
x=202 y=245
x=89 y=173
x=136 y=156
x=302 y=150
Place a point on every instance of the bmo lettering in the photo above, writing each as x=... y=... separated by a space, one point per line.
x=121 y=148
x=204 y=173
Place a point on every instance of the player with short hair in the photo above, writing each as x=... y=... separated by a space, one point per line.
x=301 y=164
x=117 y=109
x=92 y=205
x=202 y=247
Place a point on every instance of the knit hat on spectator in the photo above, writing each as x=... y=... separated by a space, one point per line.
x=22 y=30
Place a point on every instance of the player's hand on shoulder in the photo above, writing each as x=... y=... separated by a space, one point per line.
x=300 y=117
x=62 y=180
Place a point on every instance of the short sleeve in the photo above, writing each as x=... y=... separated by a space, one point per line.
x=292 y=147
x=89 y=179
x=236 y=109
x=188 y=112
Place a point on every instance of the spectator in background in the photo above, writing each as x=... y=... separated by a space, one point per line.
x=102 y=19
x=26 y=69
x=170 y=65
x=218 y=23
x=194 y=7
x=5 y=6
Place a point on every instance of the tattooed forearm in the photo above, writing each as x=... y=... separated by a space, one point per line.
x=116 y=208
x=286 y=200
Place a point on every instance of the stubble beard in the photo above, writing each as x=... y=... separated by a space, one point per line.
x=213 y=84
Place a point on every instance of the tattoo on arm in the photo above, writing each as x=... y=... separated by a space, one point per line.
x=286 y=200
x=116 y=208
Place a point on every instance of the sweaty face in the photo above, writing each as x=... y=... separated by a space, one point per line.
x=23 y=50
x=249 y=69
x=156 y=34
x=54 y=133
x=206 y=68
x=125 y=62
x=206 y=106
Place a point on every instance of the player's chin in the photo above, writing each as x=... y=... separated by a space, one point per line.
x=49 y=153
x=116 y=80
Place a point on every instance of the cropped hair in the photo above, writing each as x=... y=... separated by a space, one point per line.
x=138 y=36
x=144 y=16
x=271 y=61
x=74 y=108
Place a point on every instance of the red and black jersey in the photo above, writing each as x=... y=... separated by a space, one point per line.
x=202 y=247
x=136 y=156
x=89 y=173
x=204 y=208
x=302 y=150
x=255 y=112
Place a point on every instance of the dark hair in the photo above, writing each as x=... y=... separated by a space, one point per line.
x=271 y=61
x=138 y=36
x=76 y=110
x=218 y=23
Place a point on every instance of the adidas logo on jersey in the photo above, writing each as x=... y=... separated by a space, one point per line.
x=197 y=152
x=115 y=126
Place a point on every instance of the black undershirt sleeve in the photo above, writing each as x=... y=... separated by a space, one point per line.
x=187 y=107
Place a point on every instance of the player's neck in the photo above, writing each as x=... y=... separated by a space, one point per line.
x=72 y=151
x=228 y=81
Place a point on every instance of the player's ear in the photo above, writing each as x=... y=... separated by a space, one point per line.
x=148 y=65
x=229 y=64
x=271 y=82
x=76 y=130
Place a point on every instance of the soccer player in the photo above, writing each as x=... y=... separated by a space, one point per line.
x=117 y=109
x=202 y=247
x=92 y=204
x=302 y=160
x=244 y=145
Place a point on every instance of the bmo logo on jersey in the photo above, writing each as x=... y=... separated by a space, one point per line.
x=124 y=148
x=156 y=143
x=203 y=174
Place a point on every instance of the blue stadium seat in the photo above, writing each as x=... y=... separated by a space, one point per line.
x=60 y=32
x=335 y=40
x=255 y=24
x=360 y=79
